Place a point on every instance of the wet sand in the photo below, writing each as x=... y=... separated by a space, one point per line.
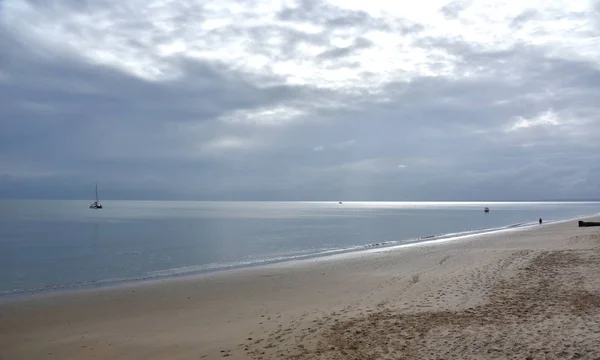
x=528 y=294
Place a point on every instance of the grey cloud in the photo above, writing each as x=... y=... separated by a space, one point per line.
x=418 y=125
x=332 y=17
x=118 y=118
x=349 y=19
x=453 y=9
x=524 y=17
x=260 y=35
x=67 y=123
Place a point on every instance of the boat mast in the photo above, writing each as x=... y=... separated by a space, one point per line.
x=96 y=192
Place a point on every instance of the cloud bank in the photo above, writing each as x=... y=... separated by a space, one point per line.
x=300 y=100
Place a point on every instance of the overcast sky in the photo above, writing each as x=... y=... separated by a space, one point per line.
x=300 y=100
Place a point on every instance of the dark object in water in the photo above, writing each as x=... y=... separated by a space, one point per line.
x=487 y=210
x=540 y=221
x=96 y=204
x=588 y=223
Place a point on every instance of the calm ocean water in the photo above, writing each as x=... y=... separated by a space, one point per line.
x=63 y=244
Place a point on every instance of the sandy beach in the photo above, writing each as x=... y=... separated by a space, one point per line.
x=527 y=294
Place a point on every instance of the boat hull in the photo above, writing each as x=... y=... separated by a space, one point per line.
x=95 y=205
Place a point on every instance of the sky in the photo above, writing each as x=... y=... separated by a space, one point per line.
x=300 y=100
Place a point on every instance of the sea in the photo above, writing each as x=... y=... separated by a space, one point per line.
x=48 y=245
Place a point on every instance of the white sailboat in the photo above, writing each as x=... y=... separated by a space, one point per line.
x=96 y=204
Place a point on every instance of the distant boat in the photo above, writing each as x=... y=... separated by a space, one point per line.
x=96 y=204
x=340 y=202
x=487 y=210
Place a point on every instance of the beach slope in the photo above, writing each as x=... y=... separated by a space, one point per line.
x=527 y=294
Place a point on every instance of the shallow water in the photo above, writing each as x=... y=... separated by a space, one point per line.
x=64 y=244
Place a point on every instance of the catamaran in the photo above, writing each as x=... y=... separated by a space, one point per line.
x=96 y=204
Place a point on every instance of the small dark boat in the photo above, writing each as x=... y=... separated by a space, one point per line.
x=487 y=210
x=96 y=204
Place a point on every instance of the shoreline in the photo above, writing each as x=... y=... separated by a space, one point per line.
x=206 y=270
x=475 y=292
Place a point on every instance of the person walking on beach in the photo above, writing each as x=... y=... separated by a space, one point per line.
x=540 y=221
